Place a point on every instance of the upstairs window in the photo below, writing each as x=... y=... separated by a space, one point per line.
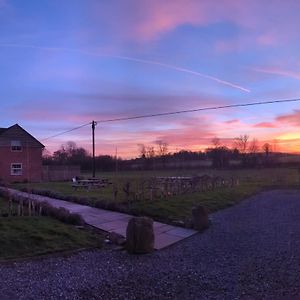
x=16 y=146
x=16 y=169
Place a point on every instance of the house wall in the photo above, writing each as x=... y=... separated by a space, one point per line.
x=31 y=160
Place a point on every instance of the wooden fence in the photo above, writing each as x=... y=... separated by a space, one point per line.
x=60 y=173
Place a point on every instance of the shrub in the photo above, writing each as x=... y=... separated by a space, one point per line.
x=75 y=219
x=61 y=214
x=111 y=206
x=100 y=204
x=81 y=200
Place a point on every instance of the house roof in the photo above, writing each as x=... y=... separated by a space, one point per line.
x=18 y=127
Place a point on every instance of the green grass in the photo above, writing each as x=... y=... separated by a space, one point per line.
x=179 y=207
x=30 y=236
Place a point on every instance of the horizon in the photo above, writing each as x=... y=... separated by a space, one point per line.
x=66 y=64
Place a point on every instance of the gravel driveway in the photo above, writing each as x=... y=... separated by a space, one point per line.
x=251 y=251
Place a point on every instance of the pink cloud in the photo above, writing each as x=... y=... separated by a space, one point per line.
x=152 y=19
x=232 y=121
x=160 y=17
x=293 y=118
x=265 y=125
x=277 y=71
x=267 y=39
x=243 y=42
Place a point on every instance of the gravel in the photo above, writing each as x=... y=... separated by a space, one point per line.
x=251 y=251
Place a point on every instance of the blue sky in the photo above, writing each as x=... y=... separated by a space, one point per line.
x=66 y=63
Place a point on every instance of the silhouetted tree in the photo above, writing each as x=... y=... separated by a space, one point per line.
x=216 y=142
x=142 y=150
x=162 y=148
x=241 y=143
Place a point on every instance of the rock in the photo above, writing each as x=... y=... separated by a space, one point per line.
x=140 y=235
x=200 y=218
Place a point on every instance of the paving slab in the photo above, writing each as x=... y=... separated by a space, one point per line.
x=165 y=235
x=163 y=240
x=180 y=232
x=112 y=226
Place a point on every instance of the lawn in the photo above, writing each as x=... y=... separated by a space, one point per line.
x=178 y=207
x=31 y=236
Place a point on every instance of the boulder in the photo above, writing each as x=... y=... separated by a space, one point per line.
x=140 y=235
x=200 y=218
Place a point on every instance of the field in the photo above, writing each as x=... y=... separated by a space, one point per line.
x=175 y=207
x=30 y=236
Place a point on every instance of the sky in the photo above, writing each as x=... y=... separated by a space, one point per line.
x=66 y=63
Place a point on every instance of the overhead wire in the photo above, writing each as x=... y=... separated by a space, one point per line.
x=67 y=131
x=198 y=109
x=176 y=113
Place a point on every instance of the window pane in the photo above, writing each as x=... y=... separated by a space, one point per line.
x=16 y=169
x=16 y=145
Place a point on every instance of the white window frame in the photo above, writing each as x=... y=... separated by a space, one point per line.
x=16 y=146
x=15 y=171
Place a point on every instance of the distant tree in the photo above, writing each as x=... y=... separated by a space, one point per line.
x=47 y=157
x=253 y=146
x=69 y=154
x=142 y=150
x=70 y=147
x=219 y=156
x=241 y=143
x=60 y=156
x=150 y=152
x=267 y=148
x=216 y=142
x=253 y=149
x=162 y=148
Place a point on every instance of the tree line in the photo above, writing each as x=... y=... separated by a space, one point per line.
x=248 y=152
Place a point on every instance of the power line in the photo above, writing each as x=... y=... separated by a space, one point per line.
x=178 y=112
x=64 y=132
x=199 y=109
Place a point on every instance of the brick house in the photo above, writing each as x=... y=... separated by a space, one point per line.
x=20 y=155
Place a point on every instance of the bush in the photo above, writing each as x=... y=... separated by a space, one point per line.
x=61 y=214
x=81 y=200
x=75 y=219
x=100 y=204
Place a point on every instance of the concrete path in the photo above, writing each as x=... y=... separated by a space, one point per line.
x=165 y=235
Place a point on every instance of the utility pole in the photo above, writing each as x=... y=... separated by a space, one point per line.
x=93 y=136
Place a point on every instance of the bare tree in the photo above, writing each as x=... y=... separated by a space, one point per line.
x=70 y=146
x=150 y=152
x=216 y=142
x=162 y=147
x=241 y=143
x=253 y=147
x=142 y=150
x=267 y=148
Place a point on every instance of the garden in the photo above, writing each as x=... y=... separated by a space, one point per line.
x=169 y=196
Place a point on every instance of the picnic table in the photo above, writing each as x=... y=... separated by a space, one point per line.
x=90 y=183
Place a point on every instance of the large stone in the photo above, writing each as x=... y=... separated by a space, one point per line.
x=200 y=218
x=140 y=235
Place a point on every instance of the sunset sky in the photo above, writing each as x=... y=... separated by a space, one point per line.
x=66 y=63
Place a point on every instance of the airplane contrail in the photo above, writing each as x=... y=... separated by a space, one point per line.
x=143 y=61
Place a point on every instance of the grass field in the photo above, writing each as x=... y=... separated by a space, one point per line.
x=178 y=207
x=31 y=236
